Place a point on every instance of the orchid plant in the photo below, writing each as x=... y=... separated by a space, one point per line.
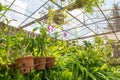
x=56 y=16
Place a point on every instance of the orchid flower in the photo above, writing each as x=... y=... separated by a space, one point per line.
x=50 y=28
x=65 y=34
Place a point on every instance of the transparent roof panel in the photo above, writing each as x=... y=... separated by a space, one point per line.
x=15 y=18
x=32 y=27
x=6 y=2
x=79 y=24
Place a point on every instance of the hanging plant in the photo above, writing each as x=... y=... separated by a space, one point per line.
x=59 y=17
x=56 y=16
x=87 y=5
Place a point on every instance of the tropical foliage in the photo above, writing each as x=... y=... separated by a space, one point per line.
x=90 y=61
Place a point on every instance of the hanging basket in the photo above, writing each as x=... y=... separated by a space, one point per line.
x=75 y=5
x=25 y=64
x=50 y=62
x=40 y=63
x=59 y=17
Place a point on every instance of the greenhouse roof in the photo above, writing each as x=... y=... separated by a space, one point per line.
x=80 y=25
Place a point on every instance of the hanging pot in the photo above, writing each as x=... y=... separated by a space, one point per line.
x=50 y=62
x=25 y=64
x=40 y=63
x=59 y=17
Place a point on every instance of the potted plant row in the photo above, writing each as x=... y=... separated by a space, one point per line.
x=38 y=47
x=29 y=53
x=27 y=63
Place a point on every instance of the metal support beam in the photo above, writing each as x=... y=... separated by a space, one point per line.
x=74 y=17
x=108 y=22
x=32 y=14
x=94 y=22
x=8 y=7
x=22 y=13
x=45 y=17
x=91 y=20
x=32 y=22
x=110 y=32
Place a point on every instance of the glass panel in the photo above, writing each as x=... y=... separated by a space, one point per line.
x=15 y=18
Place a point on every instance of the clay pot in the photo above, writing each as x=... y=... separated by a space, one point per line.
x=40 y=63
x=25 y=64
x=50 y=62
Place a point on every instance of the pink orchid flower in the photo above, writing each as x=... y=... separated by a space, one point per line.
x=50 y=28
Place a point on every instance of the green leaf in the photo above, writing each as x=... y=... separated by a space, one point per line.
x=6 y=29
x=103 y=76
x=91 y=76
x=1 y=7
x=35 y=29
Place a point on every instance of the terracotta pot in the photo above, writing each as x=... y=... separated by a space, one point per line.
x=25 y=64
x=40 y=63
x=50 y=62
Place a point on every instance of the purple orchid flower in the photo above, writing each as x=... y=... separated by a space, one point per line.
x=65 y=34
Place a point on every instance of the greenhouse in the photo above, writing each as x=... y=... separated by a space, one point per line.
x=59 y=39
